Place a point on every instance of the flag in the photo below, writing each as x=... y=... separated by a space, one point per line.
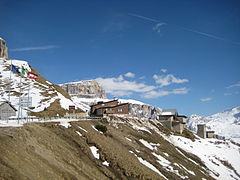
x=14 y=69
x=23 y=71
x=32 y=75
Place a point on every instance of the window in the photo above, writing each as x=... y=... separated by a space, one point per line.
x=120 y=110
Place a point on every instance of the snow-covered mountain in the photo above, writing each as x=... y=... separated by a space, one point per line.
x=226 y=123
x=44 y=94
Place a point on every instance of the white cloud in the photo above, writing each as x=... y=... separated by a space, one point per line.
x=163 y=70
x=234 y=85
x=206 y=99
x=155 y=94
x=121 y=87
x=166 y=80
x=158 y=26
x=130 y=75
x=35 y=48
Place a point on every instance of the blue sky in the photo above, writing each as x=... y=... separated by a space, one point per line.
x=172 y=54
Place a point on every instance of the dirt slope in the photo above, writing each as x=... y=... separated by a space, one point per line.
x=51 y=151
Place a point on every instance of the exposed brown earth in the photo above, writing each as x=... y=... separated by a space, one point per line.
x=50 y=151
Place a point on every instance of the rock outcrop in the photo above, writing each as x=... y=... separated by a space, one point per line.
x=3 y=49
x=85 y=89
x=146 y=111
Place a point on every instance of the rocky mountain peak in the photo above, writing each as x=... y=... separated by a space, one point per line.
x=3 y=49
x=85 y=89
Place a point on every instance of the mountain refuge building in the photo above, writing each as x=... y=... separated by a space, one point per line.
x=109 y=108
x=170 y=119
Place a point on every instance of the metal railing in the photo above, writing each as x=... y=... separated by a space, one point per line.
x=31 y=119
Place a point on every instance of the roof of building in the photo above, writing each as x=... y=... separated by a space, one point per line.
x=101 y=102
x=2 y=102
x=169 y=112
x=182 y=116
x=105 y=107
x=210 y=131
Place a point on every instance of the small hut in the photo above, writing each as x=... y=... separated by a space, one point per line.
x=6 y=110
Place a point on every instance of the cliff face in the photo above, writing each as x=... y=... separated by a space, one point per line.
x=3 y=49
x=85 y=89
x=146 y=111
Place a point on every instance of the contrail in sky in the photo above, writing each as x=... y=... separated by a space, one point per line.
x=35 y=48
x=186 y=29
x=143 y=17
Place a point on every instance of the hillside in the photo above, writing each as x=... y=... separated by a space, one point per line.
x=129 y=149
x=44 y=94
x=226 y=123
x=48 y=99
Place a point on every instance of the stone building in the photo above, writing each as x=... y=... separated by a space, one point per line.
x=201 y=130
x=170 y=119
x=210 y=134
x=6 y=110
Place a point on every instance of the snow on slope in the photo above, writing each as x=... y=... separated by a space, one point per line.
x=90 y=101
x=22 y=85
x=215 y=154
x=220 y=157
x=226 y=123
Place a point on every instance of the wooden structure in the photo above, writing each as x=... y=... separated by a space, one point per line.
x=110 y=107
x=172 y=120
x=6 y=110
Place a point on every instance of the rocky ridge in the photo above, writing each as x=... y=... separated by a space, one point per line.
x=3 y=49
x=85 y=89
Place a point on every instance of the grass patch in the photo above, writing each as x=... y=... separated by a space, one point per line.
x=188 y=134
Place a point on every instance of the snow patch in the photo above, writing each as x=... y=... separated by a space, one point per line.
x=79 y=133
x=82 y=129
x=65 y=124
x=97 y=130
x=94 y=151
x=150 y=166
x=105 y=163
x=128 y=139
x=150 y=146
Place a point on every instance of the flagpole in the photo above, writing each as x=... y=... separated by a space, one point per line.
x=20 y=98
x=10 y=81
x=28 y=97
x=9 y=89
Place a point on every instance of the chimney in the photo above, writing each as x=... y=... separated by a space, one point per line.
x=3 y=49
